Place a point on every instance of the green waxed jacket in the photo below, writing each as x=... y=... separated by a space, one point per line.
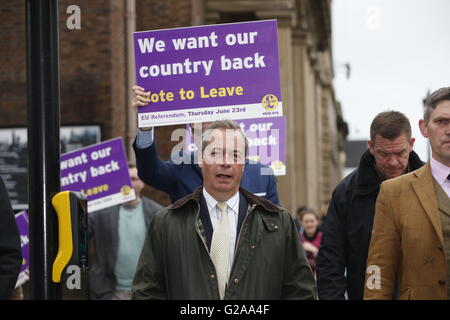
x=269 y=261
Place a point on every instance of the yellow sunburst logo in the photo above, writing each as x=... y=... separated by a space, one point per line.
x=270 y=102
x=277 y=165
x=125 y=190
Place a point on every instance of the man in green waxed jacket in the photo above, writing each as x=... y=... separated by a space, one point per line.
x=222 y=242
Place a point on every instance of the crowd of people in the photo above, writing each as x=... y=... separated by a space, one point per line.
x=384 y=235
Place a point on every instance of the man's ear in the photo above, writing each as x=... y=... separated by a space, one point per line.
x=370 y=145
x=411 y=142
x=423 y=128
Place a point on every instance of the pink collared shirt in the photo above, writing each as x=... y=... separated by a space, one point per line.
x=440 y=173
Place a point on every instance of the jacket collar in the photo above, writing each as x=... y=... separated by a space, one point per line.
x=250 y=197
x=368 y=180
x=424 y=188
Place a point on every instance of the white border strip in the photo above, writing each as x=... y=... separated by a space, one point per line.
x=109 y=201
x=20 y=206
x=234 y=112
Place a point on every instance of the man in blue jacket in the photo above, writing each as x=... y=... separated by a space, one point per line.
x=182 y=178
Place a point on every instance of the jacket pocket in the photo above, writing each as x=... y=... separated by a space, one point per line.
x=406 y=294
x=100 y=286
x=269 y=224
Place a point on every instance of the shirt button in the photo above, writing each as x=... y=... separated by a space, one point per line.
x=236 y=281
x=442 y=282
x=252 y=246
x=212 y=276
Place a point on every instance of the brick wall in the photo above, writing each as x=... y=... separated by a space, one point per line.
x=162 y=14
x=13 y=98
x=92 y=64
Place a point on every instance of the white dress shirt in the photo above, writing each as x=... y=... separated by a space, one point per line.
x=440 y=172
x=233 y=214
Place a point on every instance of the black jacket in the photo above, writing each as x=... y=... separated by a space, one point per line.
x=347 y=230
x=103 y=227
x=269 y=261
x=10 y=249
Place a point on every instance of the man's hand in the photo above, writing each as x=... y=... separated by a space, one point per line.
x=140 y=99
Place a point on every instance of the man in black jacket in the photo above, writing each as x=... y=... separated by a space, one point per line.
x=10 y=250
x=347 y=227
x=118 y=233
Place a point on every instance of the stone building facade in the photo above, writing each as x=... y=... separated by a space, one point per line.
x=96 y=74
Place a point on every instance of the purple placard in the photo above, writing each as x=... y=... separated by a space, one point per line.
x=209 y=72
x=23 y=226
x=100 y=172
x=267 y=141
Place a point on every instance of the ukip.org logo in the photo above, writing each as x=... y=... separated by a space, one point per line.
x=270 y=102
x=125 y=190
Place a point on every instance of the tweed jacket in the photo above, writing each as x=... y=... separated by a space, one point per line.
x=407 y=241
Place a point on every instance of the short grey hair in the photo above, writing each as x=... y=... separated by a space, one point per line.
x=222 y=124
x=433 y=100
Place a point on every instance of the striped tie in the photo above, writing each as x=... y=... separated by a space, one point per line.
x=220 y=248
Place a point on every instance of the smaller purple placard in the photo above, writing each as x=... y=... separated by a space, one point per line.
x=23 y=226
x=100 y=172
x=267 y=142
x=266 y=138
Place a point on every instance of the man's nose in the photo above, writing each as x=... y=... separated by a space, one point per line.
x=228 y=159
x=393 y=160
x=447 y=130
x=226 y=163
